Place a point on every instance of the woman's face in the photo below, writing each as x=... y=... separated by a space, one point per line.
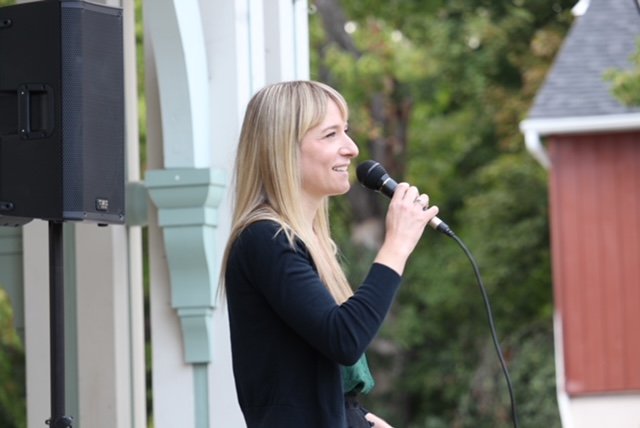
x=325 y=155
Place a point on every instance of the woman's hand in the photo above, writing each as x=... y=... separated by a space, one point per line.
x=408 y=215
x=376 y=421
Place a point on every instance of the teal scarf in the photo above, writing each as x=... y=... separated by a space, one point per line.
x=357 y=378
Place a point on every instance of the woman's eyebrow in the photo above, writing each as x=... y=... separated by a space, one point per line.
x=333 y=127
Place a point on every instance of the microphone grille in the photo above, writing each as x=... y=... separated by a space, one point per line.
x=370 y=173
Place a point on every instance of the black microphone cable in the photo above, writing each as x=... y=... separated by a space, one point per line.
x=492 y=327
x=373 y=176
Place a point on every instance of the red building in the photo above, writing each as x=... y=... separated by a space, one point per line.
x=593 y=155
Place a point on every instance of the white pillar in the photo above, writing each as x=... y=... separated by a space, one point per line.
x=103 y=319
x=242 y=54
x=171 y=377
x=36 y=315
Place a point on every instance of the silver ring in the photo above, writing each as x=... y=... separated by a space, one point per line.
x=422 y=202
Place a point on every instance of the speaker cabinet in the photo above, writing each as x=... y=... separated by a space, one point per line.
x=61 y=113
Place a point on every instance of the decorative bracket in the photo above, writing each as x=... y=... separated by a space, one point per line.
x=187 y=200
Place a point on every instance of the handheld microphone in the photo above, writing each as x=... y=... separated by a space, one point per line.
x=373 y=176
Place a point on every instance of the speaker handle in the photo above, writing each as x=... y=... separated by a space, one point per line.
x=6 y=206
x=35 y=99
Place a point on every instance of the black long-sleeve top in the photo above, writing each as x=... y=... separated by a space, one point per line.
x=288 y=335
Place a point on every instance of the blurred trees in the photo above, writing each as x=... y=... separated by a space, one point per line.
x=13 y=410
x=437 y=90
x=626 y=83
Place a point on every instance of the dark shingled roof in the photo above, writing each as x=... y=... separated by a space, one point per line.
x=603 y=38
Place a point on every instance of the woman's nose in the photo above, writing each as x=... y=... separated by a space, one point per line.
x=350 y=148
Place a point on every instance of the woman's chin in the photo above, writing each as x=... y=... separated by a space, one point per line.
x=342 y=190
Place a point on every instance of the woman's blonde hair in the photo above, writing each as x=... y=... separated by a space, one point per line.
x=267 y=172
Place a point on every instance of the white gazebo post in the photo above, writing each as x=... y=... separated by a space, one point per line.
x=204 y=60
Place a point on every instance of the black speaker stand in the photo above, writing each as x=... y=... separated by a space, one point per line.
x=56 y=332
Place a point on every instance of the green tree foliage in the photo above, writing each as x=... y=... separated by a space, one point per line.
x=626 y=83
x=436 y=91
x=12 y=374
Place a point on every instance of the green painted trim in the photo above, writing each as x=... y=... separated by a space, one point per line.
x=10 y=240
x=201 y=394
x=187 y=200
x=188 y=216
x=136 y=204
x=194 y=274
x=197 y=329
x=184 y=176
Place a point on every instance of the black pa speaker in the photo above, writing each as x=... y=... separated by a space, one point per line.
x=61 y=113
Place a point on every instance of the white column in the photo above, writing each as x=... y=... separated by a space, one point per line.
x=234 y=34
x=103 y=318
x=36 y=315
x=136 y=324
x=286 y=36
x=240 y=60
x=172 y=378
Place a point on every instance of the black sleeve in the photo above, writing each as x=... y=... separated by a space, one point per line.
x=289 y=283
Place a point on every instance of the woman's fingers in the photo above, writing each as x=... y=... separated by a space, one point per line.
x=423 y=201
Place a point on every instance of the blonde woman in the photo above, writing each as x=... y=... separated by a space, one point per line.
x=298 y=331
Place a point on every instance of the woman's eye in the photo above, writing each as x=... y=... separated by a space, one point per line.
x=330 y=135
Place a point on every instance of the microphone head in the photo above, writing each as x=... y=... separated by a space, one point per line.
x=371 y=174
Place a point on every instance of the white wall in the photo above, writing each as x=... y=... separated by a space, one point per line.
x=615 y=411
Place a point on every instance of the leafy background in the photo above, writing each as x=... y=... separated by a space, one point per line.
x=437 y=90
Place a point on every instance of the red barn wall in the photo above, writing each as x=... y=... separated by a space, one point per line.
x=595 y=231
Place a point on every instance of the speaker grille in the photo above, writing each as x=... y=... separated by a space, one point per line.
x=62 y=112
x=93 y=112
